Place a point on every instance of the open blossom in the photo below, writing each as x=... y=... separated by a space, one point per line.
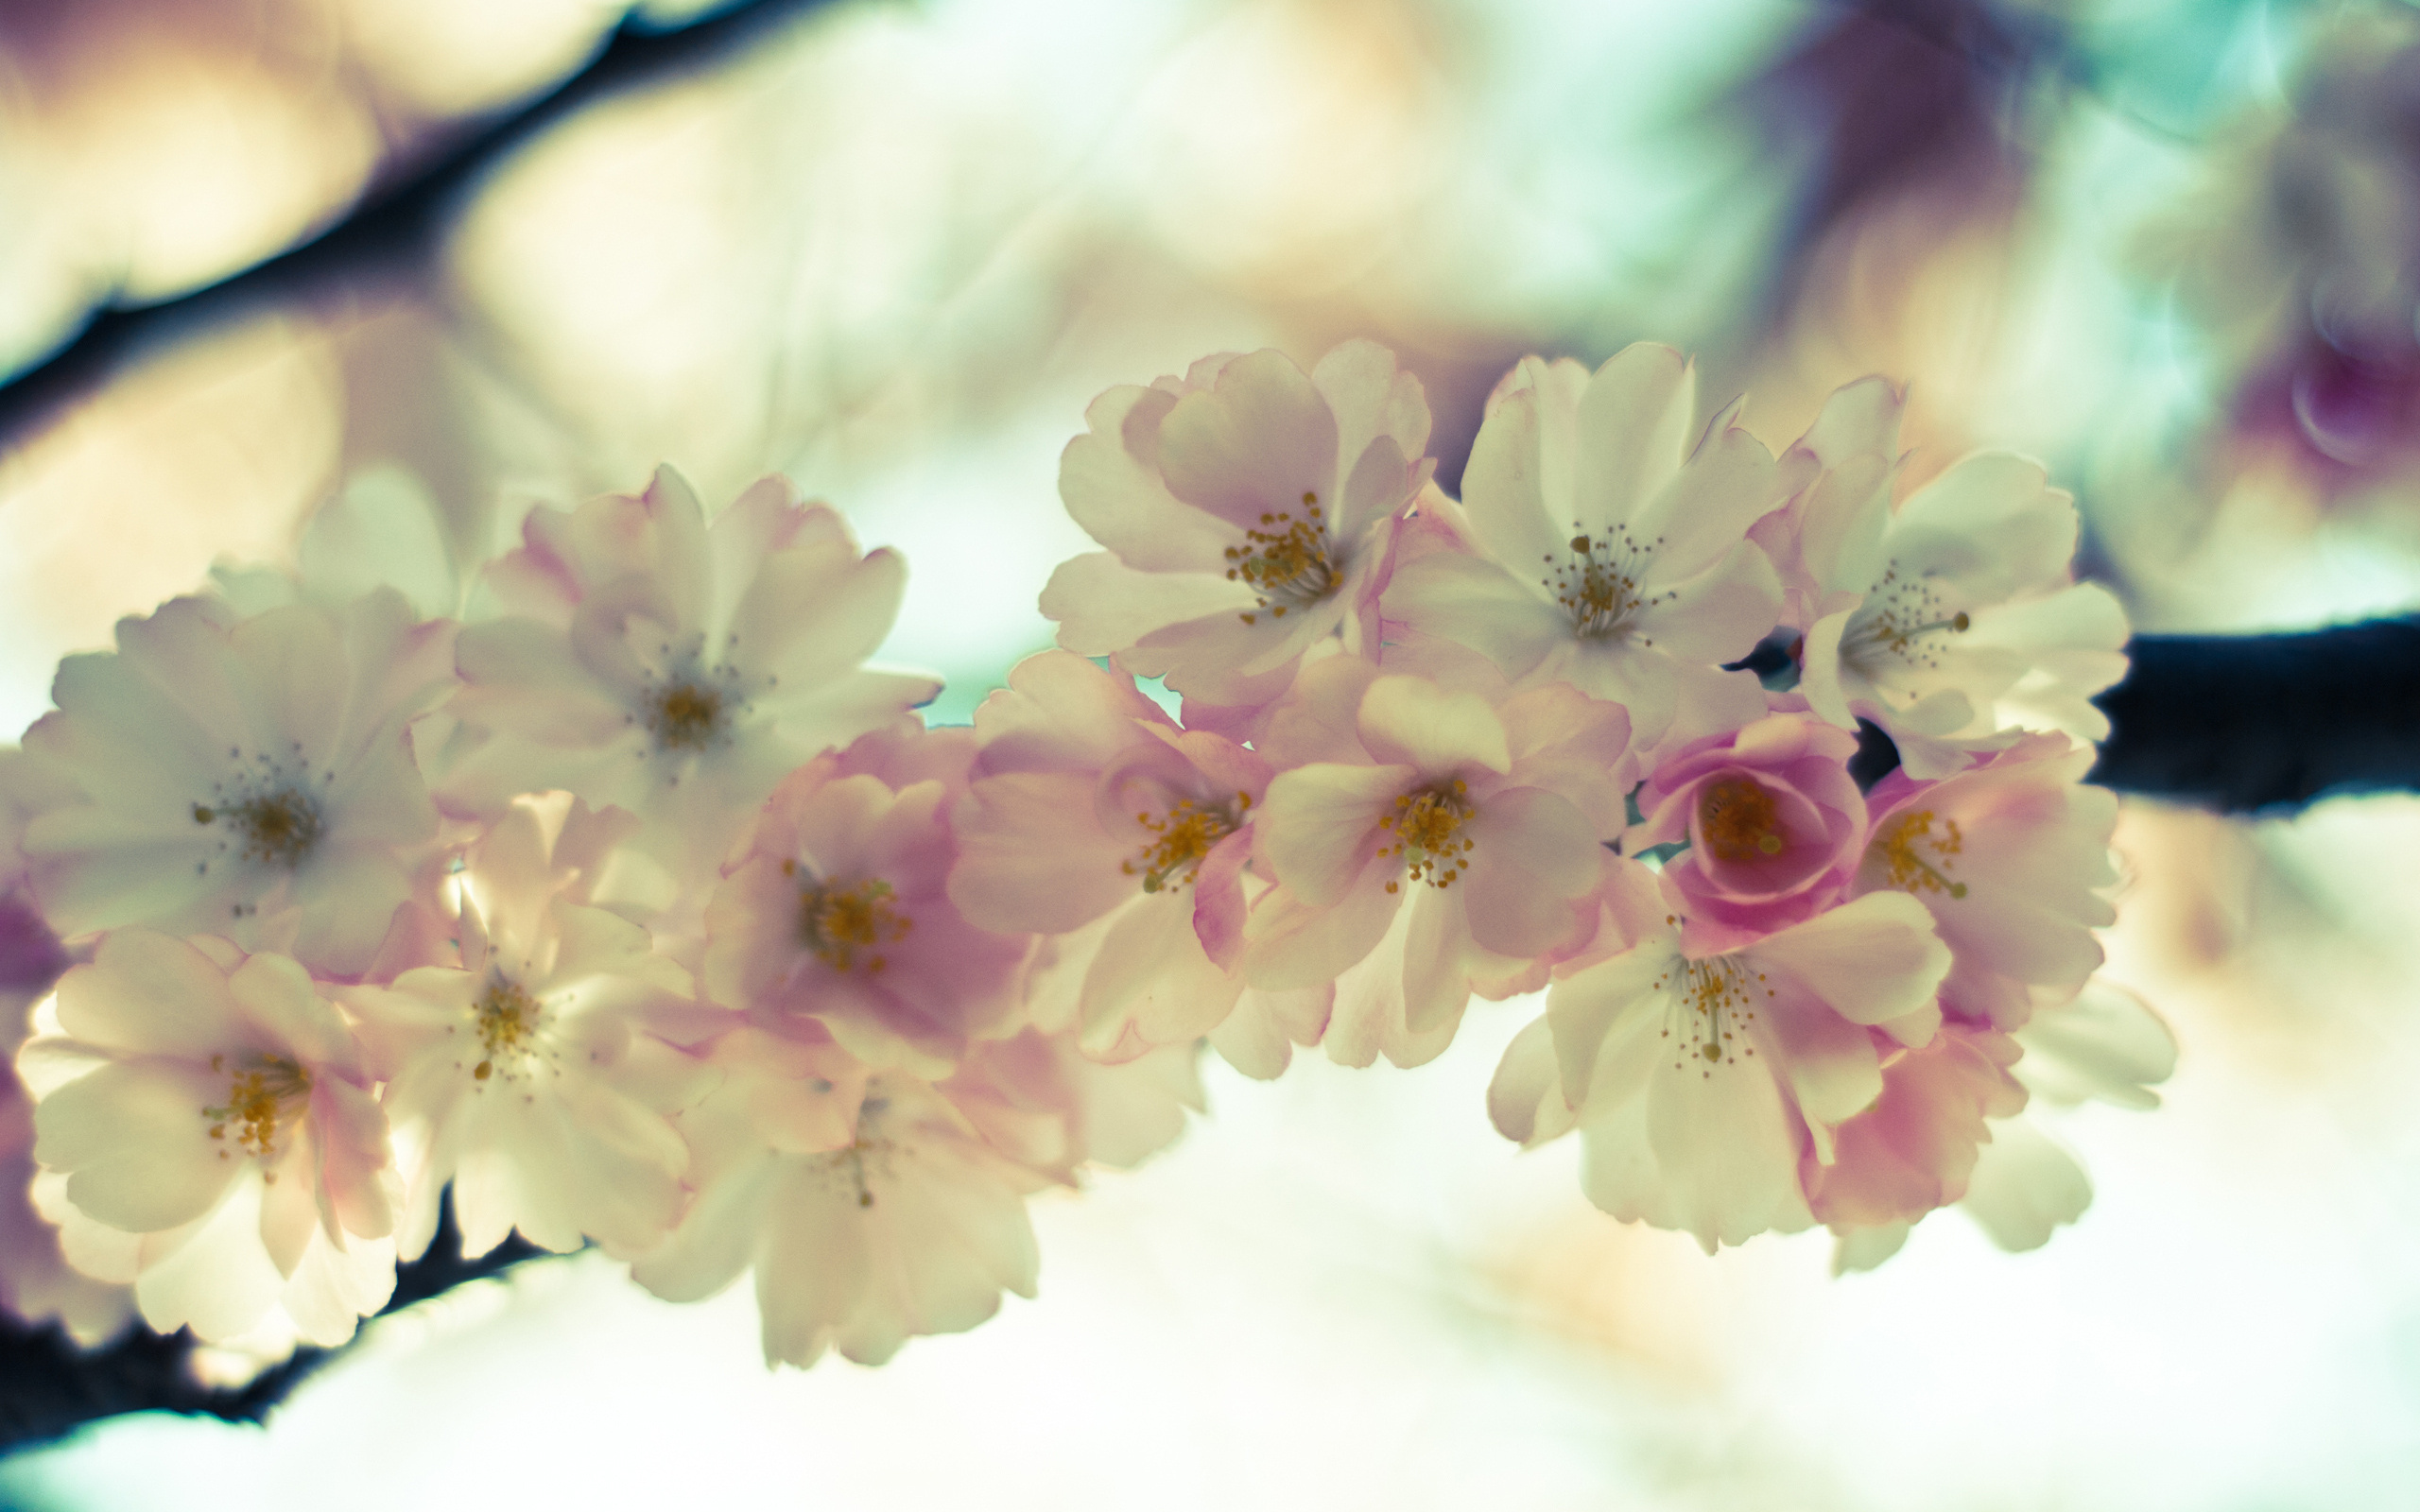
x=836 y=908
x=2103 y=1045
x=1773 y=822
x=1953 y=614
x=1700 y=1084
x=1464 y=832
x=671 y=668
x=525 y=1072
x=2011 y=857
x=206 y=1128
x=1088 y=803
x=253 y=779
x=877 y=1205
x=1613 y=543
x=1249 y=511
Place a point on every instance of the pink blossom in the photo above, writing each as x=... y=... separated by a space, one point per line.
x=525 y=1072
x=1952 y=614
x=1088 y=804
x=1773 y=822
x=2011 y=857
x=674 y=668
x=254 y=777
x=877 y=1205
x=1915 y=1149
x=1249 y=511
x=207 y=1131
x=1464 y=827
x=836 y=907
x=1612 y=549
x=1700 y=1083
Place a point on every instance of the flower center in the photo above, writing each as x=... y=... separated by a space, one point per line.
x=260 y=1098
x=1428 y=829
x=685 y=716
x=507 y=1019
x=1598 y=586
x=1714 y=1001
x=279 y=828
x=1736 y=818
x=1285 y=561
x=1901 y=618
x=1179 y=838
x=1910 y=871
x=837 y=923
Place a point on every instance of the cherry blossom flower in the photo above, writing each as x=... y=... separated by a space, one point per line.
x=877 y=1205
x=1953 y=614
x=253 y=779
x=2103 y=1045
x=650 y=662
x=836 y=908
x=1915 y=1149
x=2011 y=857
x=1470 y=827
x=1700 y=1083
x=526 y=1073
x=1773 y=822
x=1249 y=511
x=1613 y=552
x=208 y=1133
x=1088 y=803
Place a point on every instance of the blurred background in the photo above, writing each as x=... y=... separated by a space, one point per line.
x=256 y=253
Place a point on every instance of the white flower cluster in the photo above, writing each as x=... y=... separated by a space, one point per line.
x=606 y=886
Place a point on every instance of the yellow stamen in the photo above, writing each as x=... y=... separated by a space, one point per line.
x=837 y=923
x=1911 y=871
x=1428 y=829
x=1285 y=561
x=1735 y=816
x=259 y=1098
x=1179 y=838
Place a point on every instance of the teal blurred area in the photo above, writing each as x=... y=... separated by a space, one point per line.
x=2171 y=247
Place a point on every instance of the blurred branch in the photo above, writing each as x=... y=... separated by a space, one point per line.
x=49 y=1387
x=396 y=223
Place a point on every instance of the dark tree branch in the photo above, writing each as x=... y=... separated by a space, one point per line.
x=2265 y=724
x=49 y=1387
x=396 y=224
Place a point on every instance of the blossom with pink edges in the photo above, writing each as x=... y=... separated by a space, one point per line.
x=1249 y=511
x=2011 y=857
x=836 y=907
x=1916 y=1148
x=253 y=779
x=1773 y=822
x=207 y=1131
x=527 y=1070
x=1950 y=615
x=650 y=660
x=1700 y=1083
x=1613 y=543
x=1090 y=805
x=1441 y=838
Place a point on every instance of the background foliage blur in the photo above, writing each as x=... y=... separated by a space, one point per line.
x=2172 y=247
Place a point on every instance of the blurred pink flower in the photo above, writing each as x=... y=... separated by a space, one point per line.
x=208 y=1133
x=671 y=668
x=255 y=779
x=526 y=1073
x=836 y=907
x=1249 y=511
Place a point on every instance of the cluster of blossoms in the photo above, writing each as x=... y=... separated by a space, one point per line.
x=604 y=886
